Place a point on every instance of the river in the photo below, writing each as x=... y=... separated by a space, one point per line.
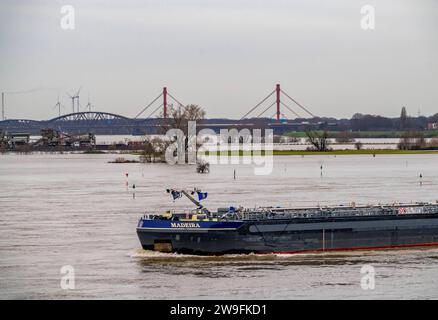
x=75 y=210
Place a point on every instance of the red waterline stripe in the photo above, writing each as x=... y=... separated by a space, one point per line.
x=429 y=244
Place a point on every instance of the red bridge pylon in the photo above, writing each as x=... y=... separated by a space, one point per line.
x=278 y=93
x=164 y=94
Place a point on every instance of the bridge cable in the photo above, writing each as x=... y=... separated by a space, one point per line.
x=30 y=90
x=144 y=109
x=175 y=99
x=154 y=111
x=302 y=107
x=258 y=104
x=290 y=109
x=266 y=109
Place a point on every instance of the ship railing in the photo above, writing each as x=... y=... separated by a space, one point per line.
x=268 y=213
x=264 y=213
x=184 y=213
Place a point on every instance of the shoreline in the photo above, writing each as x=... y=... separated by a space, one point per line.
x=247 y=153
x=331 y=152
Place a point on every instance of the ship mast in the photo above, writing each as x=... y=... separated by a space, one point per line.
x=193 y=200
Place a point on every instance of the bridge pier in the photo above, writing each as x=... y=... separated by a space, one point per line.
x=165 y=102
x=278 y=91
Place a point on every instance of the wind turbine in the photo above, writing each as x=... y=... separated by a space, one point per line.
x=89 y=105
x=73 y=98
x=77 y=98
x=58 y=105
x=72 y=101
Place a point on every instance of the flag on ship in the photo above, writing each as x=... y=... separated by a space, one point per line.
x=202 y=195
x=176 y=194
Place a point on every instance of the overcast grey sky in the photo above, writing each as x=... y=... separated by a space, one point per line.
x=223 y=55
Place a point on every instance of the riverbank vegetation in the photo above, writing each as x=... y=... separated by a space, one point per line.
x=154 y=148
x=395 y=134
x=123 y=160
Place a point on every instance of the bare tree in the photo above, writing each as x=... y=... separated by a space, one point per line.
x=412 y=140
x=358 y=145
x=319 y=140
x=403 y=118
x=154 y=149
x=202 y=166
x=3 y=141
x=179 y=117
x=433 y=143
x=194 y=112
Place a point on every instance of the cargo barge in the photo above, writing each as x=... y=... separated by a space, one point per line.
x=288 y=230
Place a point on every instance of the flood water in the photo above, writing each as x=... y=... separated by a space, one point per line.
x=74 y=209
x=299 y=144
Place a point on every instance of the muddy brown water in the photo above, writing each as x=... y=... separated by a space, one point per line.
x=67 y=209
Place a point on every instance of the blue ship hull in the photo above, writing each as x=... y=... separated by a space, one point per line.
x=288 y=235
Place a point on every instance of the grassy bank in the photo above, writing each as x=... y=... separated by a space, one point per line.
x=366 y=134
x=333 y=152
x=354 y=152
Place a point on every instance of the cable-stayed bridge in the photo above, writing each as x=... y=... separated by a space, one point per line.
x=149 y=119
